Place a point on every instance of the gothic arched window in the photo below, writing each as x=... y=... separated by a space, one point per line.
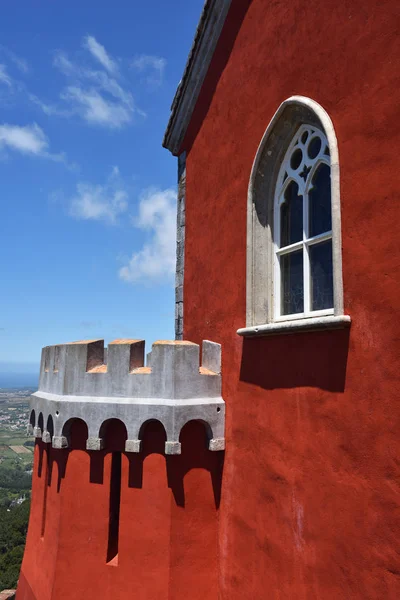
x=294 y=263
x=303 y=273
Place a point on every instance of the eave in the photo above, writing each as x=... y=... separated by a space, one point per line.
x=205 y=41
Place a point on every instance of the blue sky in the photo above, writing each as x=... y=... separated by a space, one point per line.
x=87 y=226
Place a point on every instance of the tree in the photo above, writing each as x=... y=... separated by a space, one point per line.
x=13 y=529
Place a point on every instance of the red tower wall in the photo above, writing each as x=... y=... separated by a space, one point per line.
x=310 y=494
x=167 y=527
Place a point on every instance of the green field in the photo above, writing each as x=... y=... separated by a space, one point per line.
x=15 y=482
x=15 y=464
x=7 y=454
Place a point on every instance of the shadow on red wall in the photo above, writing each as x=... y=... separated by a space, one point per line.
x=312 y=359
x=156 y=513
x=195 y=455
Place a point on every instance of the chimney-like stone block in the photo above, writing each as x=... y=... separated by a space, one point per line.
x=80 y=358
x=211 y=356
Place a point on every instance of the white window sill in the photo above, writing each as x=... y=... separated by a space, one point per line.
x=286 y=327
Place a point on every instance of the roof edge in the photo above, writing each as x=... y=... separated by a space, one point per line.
x=207 y=34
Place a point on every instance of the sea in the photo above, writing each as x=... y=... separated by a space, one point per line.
x=18 y=381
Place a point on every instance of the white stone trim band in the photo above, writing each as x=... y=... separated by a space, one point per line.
x=285 y=327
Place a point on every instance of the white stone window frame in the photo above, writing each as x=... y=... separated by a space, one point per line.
x=262 y=318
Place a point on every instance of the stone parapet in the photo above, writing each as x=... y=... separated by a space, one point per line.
x=77 y=382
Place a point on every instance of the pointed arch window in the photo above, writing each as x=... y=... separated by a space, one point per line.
x=294 y=268
x=303 y=266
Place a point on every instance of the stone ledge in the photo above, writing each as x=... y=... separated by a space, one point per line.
x=297 y=325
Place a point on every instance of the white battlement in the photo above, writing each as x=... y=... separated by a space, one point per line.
x=77 y=382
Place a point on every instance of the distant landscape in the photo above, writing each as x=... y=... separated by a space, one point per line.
x=16 y=463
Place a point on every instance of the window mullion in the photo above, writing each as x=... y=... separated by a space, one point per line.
x=276 y=260
x=306 y=275
x=277 y=285
x=306 y=256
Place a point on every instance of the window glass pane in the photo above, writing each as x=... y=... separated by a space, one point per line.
x=292 y=283
x=320 y=214
x=321 y=275
x=291 y=216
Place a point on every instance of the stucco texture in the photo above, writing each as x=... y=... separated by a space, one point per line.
x=310 y=492
x=167 y=542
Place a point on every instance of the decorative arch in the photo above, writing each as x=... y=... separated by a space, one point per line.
x=206 y=426
x=293 y=113
x=145 y=424
x=76 y=426
x=114 y=434
x=108 y=424
x=153 y=436
x=32 y=419
x=40 y=423
x=48 y=431
x=50 y=425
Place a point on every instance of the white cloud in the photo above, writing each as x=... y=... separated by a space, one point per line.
x=95 y=95
x=111 y=86
x=19 y=62
x=30 y=139
x=156 y=260
x=99 y=53
x=50 y=109
x=4 y=76
x=100 y=202
x=63 y=64
x=153 y=65
x=96 y=109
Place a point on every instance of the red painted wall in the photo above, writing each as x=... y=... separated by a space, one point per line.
x=311 y=487
x=168 y=521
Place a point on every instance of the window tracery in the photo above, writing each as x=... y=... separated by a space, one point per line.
x=303 y=273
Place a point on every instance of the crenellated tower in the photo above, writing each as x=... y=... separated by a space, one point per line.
x=127 y=471
x=82 y=380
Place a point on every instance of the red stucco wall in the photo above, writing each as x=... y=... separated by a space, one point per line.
x=168 y=521
x=310 y=494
